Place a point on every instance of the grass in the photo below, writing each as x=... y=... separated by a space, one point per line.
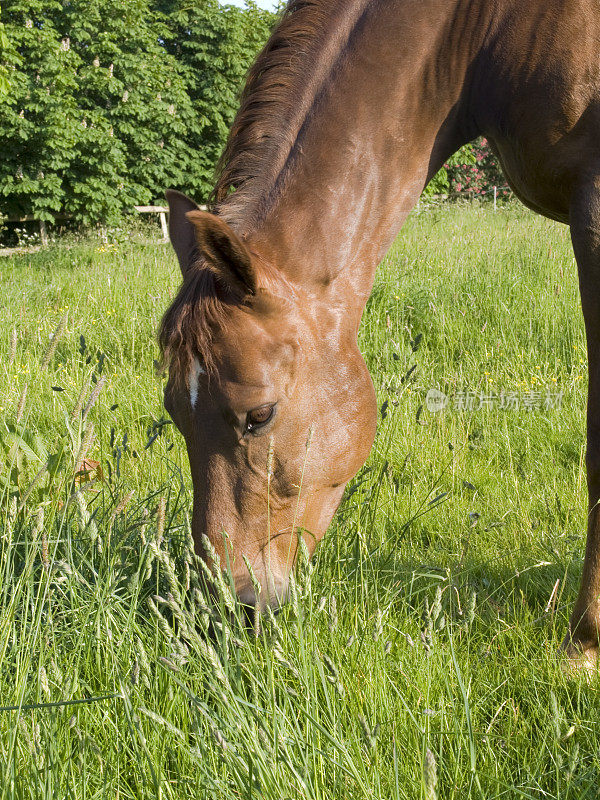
x=417 y=658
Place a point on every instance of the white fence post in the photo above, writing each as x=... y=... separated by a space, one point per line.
x=162 y=212
x=163 y=225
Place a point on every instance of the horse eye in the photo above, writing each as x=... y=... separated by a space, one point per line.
x=259 y=416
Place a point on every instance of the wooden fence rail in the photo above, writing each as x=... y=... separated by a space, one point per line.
x=162 y=212
x=42 y=224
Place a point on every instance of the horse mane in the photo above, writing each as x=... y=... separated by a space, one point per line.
x=280 y=91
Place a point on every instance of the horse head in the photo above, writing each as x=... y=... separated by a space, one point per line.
x=270 y=391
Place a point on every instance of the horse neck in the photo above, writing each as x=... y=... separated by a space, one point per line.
x=392 y=111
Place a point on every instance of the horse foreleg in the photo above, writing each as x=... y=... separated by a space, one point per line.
x=581 y=642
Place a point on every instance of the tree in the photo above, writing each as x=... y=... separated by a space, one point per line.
x=470 y=173
x=38 y=118
x=112 y=101
x=134 y=103
x=477 y=176
x=4 y=46
x=215 y=47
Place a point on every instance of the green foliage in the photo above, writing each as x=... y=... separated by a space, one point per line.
x=440 y=183
x=470 y=173
x=476 y=178
x=134 y=108
x=214 y=47
x=38 y=120
x=112 y=102
x=4 y=47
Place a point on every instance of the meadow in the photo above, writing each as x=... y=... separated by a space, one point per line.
x=418 y=655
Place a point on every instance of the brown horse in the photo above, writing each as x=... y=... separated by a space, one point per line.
x=351 y=108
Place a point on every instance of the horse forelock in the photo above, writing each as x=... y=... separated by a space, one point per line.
x=187 y=326
x=201 y=310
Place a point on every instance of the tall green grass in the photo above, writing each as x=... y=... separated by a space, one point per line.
x=417 y=657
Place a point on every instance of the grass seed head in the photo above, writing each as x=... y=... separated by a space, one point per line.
x=86 y=445
x=369 y=736
x=427 y=640
x=470 y=609
x=160 y=521
x=45 y=557
x=39 y=522
x=224 y=592
x=430 y=777
x=121 y=505
x=163 y=625
x=171 y=575
x=293 y=596
x=86 y=523
x=12 y=346
x=436 y=608
x=143 y=661
x=309 y=438
x=11 y=515
x=275 y=634
x=270 y=454
x=21 y=404
x=211 y=552
x=280 y=657
x=330 y=666
x=572 y=763
x=177 y=609
x=378 y=627
x=180 y=651
x=219 y=739
x=255 y=582
x=26 y=735
x=52 y=344
x=44 y=681
x=210 y=654
x=95 y=394
x=332 y=613
x=77 y=408
x=334 y=676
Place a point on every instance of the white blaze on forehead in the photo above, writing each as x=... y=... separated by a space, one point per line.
x=196 y=370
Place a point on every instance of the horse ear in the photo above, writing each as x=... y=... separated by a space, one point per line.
x=181 y=232
x=223 y=251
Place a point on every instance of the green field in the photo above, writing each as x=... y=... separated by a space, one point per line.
x=418 y=657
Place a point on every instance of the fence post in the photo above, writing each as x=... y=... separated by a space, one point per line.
x=43 y=233
x=163 y=225
x=495 y=197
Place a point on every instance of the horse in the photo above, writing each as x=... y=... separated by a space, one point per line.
x=347 y=113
